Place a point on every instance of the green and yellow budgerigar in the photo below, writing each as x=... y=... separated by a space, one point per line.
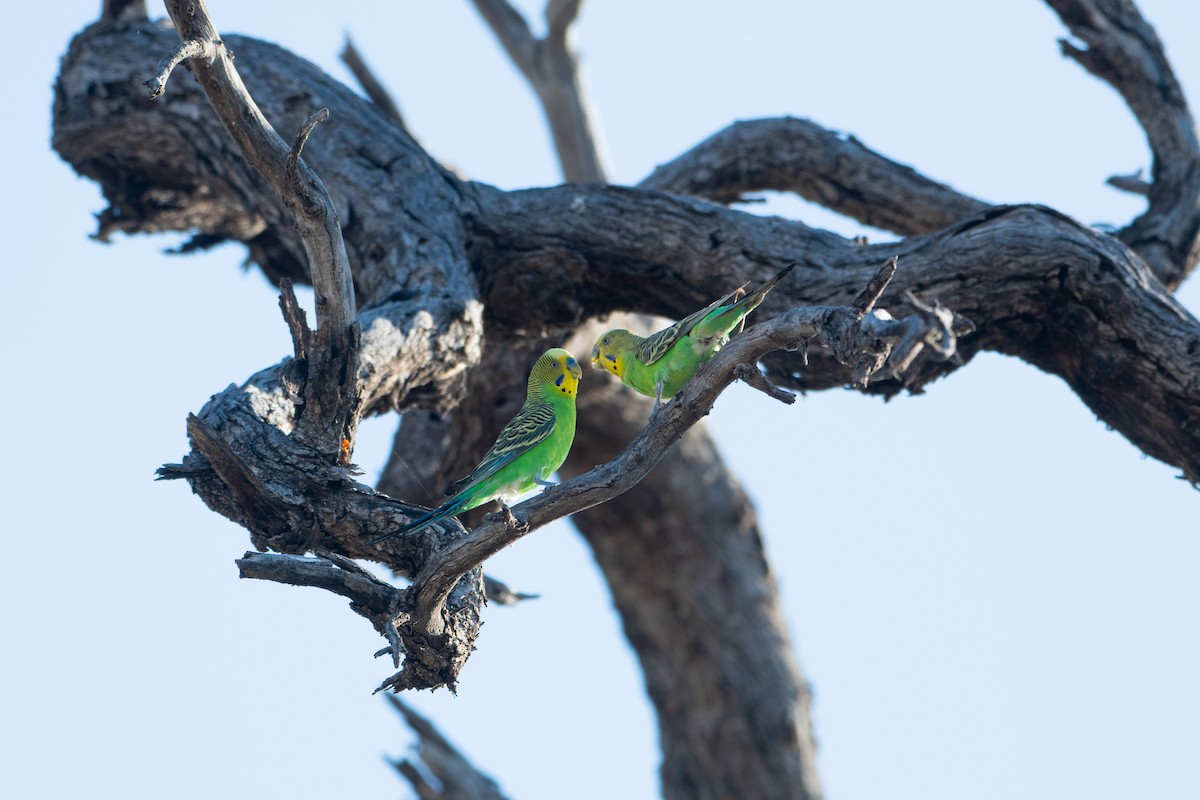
x=532 y=446
x=659 y=365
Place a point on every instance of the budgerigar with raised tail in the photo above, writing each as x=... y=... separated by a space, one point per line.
x=659 y=365
x=532 y=446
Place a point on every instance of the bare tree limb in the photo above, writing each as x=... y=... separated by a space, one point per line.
x=499 y=593
x=1133 y=183
x=369 y=596
x=457 y=778
x=1064 y=298
x=831 y=169
x=1120 y=48
x=376 y=93
x=552 y=69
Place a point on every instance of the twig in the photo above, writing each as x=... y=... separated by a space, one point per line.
x=1133 y=183
x=192 y=48
x=371 y=85
x=499 y=593
x=296 y=320
x=312 y=203
x=750 y=375
x=869 y=296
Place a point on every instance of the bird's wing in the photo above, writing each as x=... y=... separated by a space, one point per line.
x=656 y=346
x=532 y=424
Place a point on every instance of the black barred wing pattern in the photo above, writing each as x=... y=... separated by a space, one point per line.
x=656 y=346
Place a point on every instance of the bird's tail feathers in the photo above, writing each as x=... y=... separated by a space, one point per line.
x=450 y=508
x=751 y=301
x=733 y=317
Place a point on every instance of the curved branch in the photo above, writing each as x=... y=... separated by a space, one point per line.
x=1122 y=49
x=864 y=340
x=831 y=169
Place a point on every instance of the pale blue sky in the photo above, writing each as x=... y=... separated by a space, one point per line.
x=1012 y=612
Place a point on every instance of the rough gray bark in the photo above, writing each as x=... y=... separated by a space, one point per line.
x=429 y=253
x=833 y=170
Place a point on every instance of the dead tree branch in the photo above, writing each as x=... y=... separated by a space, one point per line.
x=457 y=777
x=369 y=596
x=552 y=69
x=376 y=93
x=831 y=169
x=1116 y=44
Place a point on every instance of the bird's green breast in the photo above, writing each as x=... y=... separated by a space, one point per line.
x=674 y=369
x=538 y=462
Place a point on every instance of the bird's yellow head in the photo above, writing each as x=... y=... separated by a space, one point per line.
x=612 y=349
x=556 y=371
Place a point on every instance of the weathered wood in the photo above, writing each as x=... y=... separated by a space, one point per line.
x=1122 y=49
x=831 y=169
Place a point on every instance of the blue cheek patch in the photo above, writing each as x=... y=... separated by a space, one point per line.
x=558 y=381
x=611 y=358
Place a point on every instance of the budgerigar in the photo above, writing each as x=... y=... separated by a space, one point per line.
x=659 y=365
x=532 y=446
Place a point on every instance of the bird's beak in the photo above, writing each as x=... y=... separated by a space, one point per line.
x=596 y=354
x=573 y=366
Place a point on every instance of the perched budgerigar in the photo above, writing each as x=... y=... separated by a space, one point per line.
x=532 y=446
x=659 y=365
